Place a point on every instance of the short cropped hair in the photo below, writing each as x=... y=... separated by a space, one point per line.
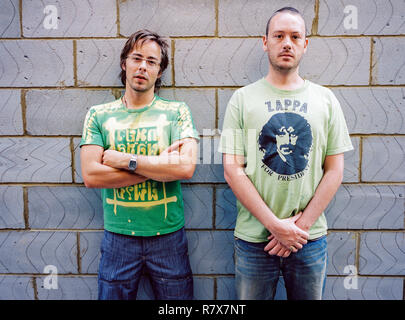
x=141 y=37
x=284 y=9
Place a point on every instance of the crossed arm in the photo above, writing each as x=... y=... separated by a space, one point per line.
x=107 y=168
x=291 y=233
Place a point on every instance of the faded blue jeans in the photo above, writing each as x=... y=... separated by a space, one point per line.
x=164 y=258
x=257 y=272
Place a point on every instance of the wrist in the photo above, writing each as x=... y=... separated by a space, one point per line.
x=273 y=224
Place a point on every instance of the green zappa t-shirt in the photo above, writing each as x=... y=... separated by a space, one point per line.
x=285 y=136
x=152 y=207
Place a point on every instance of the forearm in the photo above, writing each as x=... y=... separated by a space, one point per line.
x=247 y=194
x=324 y=193
x=166 y=167
x=160 y=168
x=102 y=176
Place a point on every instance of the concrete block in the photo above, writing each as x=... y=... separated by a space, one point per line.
x=98 y=63
x=211 y=252
x=11 y=122
x=11 y=207
x=90 y=243
x=367 y=288
x=10 y=19
x=203 y=288
x=219 y=62
x=16 y=288
x=373 y=110
x=93 y=18
x=69 y=288
x=373 y=18
x=61 y=112
x=224 y=95
x=341 y=252
x=225 y=207
x=367 y=207
x=382 y=253
x=238 y=62
x=337 y=61
x=197 y=206
x=65 y=208
x=352 y=162
x=241 y=18
x=201 y=103
x=77 y=166
x=226 y=289
x=173 y=18
x=208 y=173
x=383 y=159
x=33 y=63
x=32 y=251
x=35 y=160
x=388 y=65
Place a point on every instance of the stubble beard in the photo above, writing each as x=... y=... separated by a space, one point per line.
x=284 y=69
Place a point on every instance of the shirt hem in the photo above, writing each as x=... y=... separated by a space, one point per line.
x=143 y=233
x=256 y=240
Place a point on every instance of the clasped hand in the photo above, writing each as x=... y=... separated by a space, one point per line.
x=287 y=238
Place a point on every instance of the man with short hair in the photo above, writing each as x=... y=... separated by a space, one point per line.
x=292 y=134
x=137 y=148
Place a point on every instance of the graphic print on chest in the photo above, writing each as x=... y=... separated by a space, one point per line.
x=286 y=141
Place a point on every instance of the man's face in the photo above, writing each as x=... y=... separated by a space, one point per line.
x=286 y=141
x=285 y=42
x=142 y=66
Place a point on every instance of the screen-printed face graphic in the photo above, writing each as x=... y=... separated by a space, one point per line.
x=286 y=140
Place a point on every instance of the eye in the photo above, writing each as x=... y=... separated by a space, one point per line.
x=152 y=63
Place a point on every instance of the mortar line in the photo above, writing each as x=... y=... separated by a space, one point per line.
x=118 y=18
x=21 y=19
x=79 y=267
x=214 y=210
x=216 y=18
x=75 y=63
x=371 y=60
x=172 y=62
x=176 y=37
x=360 y=171
x=315 y=22
x=73 y=160
x=24 y=110
x=35 y=287
x=25 y=208
x=339 y=86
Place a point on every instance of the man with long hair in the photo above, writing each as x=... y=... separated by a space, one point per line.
x=136 y=149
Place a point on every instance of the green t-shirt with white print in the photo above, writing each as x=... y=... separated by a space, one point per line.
x=150 y=208
x=285 y=136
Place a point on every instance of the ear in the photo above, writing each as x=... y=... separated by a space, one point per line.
x=123 y=65
x=264 y=40
x=306 y=44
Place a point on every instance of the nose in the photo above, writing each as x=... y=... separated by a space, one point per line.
x=287 y=43
x=142 y=65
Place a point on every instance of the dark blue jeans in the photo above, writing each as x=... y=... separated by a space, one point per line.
x=257 y=272
x=164 y=258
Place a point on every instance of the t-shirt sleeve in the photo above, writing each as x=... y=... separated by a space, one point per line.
x=338 y=134
x=91 y=130
x=232 y=136
x=184 y=125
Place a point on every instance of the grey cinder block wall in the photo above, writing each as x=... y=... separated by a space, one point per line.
x=58 y=58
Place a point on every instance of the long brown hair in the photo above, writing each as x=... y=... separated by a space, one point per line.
x=142 y=36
